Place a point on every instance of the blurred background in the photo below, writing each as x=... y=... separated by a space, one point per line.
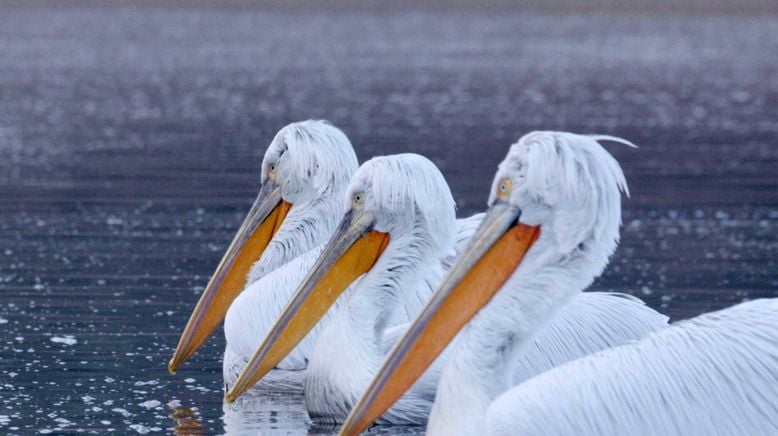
x=131 y=134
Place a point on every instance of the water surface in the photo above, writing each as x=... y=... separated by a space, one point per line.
x=130 y=140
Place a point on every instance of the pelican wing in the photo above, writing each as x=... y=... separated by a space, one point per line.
x=715 y=374
x=591 y=322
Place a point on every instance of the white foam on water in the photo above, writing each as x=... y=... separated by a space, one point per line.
x=123 y=412
x=140 y=428
x=150 y=404
x=67 y=340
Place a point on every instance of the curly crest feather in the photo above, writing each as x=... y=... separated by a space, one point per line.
x=319 y=152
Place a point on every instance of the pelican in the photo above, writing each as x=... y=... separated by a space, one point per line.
x=304 y=174
x=552 y=223
x=398 y=229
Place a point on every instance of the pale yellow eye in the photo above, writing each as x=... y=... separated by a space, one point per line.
x=359 y=197
x=504 y=189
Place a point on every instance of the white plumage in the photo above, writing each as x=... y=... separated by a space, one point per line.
x=411 y=202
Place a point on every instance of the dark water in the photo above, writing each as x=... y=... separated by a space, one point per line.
x=130 y=141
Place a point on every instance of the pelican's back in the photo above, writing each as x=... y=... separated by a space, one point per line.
x=715 y=374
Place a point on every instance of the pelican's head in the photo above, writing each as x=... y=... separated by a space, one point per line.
x=561 y=185
x=567 y=184
x=307 y=159
x=403 y=198
x=402 y=194
x=308 y=165
x=305 y=171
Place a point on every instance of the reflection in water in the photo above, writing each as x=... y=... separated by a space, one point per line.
x=266 y=412
x=186 y=419
x=276 y=413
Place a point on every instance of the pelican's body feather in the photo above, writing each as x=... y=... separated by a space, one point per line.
x=716 y=374
x=593 y=321
x=254 y=312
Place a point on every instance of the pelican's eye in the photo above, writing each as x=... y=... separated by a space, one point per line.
x=271 y=170
x=504 y=189
x=359 y=198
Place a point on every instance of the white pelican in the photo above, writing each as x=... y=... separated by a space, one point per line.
x=305 y=172
x=552 y=223
x=399 y=229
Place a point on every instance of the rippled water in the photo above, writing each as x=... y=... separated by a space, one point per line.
x=130 y=141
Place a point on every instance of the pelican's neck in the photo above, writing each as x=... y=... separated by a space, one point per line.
x=307 y=226
x=480 y=367
x=393 y=291
x=398 y=284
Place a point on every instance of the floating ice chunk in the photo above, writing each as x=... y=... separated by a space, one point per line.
x=140 y=428
x=189 y=380
x=150 y=404
x=174 y=404
x=67 y=340
x=88 y=399
x=121 y=411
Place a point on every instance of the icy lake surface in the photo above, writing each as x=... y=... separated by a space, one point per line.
x=130 y=141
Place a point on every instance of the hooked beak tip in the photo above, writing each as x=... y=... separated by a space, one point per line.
x=230 y=397
x=172 y=367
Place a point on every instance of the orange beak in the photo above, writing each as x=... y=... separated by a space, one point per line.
x=351 y=252
x=493 y=254
x=261 y=224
